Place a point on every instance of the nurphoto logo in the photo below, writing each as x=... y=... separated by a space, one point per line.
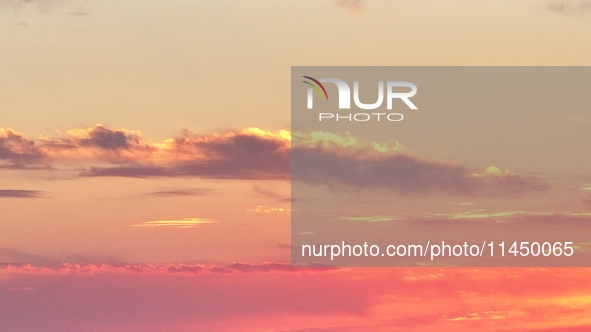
x=344 y=92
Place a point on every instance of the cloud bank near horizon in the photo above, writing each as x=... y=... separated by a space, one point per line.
x=276 y=296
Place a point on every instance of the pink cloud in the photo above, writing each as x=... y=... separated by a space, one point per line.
x=352 y=6
x=151 y=269
x=275 y=296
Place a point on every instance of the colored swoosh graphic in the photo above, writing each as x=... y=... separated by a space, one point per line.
x=316 y=86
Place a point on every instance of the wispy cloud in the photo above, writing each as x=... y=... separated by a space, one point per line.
x=285 y=246
x=78 y=14
x=570 y=7
x=270 y=193
x=176 y=223
x=368 y=219
x=20 y=193
x=95 y=269
x=180 y=192
x=33 y=3
x=21 y=289
x=352 y=6
x=268 y=209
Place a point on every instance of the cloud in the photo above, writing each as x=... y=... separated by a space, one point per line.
x=179 y=223
x=20 y=193
x=131 y=172
x=154 y=269
x=270 y=193
x=570 y=120
x=253 y=154
x=12 y=256
x=569 y=7
x=280 y=267
x=102 y=137
x=180 y=192
x=35 y=5
x=78 y=14
x=279 y=297
x=513 y=221
x=401 y=172
x=18 y=152
x=268 y=209
x=580 y=328
x=352 y=6
x=21 y=289
x=103 y=299
x=248 y=154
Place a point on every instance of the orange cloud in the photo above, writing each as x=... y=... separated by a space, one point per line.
x=268 y=209
x=181 y=223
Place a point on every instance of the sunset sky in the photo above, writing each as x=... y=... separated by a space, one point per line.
x=145 y=165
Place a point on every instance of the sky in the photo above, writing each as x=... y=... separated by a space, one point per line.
x=144 y=165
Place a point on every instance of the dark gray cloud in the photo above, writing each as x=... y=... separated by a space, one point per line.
x=180 y=192
x=253 y=154
x=400 y=172
x=244 y=156
x=240 y=156
x=108 y=139
x=129 y=172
